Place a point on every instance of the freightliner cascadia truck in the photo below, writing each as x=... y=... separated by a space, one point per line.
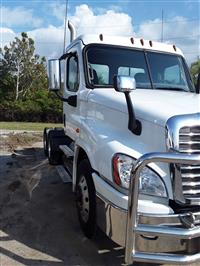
x=130 y=144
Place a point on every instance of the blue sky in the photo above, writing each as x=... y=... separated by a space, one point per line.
x=43 y=20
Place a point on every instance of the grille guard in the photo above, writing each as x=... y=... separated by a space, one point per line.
x=132 y=216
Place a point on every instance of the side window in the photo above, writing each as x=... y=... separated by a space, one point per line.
x=72 y=74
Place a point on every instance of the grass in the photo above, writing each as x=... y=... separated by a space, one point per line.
x=26 y=126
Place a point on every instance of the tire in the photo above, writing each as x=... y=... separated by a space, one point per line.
x=45 y=140
x=86 y=199
x=53 y=152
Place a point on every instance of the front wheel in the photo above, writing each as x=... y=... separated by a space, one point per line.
x=86 y=199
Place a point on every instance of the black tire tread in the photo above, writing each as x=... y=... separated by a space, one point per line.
x=89 y=228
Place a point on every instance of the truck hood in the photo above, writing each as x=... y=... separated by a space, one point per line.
x=155 y=106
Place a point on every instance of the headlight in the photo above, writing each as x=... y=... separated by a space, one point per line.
x=150 y=182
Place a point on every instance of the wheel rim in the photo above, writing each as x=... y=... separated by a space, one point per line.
x=83 y=199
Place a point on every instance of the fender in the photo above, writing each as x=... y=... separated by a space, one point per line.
x=79 y=144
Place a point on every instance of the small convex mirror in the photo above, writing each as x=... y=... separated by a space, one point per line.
x=54 y=74
x=124 y=83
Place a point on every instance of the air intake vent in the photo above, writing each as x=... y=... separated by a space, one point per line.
x=189 y=142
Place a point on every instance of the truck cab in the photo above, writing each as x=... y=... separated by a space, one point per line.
x=130 y=144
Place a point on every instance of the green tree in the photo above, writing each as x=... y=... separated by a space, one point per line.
x=21 y=70
x=195 y=70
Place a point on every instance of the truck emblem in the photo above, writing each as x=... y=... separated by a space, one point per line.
x=188 y=221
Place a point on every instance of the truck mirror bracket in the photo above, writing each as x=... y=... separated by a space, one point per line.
x=71 y=100
x=134 y=125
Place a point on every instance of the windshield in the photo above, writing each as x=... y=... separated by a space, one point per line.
x=151 y=70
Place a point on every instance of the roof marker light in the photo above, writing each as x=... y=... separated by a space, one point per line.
x=101 y=37
x=142 y=41
x=151 y=43
x=174 y=46
x=132 y=40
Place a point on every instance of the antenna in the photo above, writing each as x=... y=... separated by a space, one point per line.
x=162 y=25
x=65 y=26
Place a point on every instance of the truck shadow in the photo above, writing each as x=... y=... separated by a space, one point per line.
x=38 y=219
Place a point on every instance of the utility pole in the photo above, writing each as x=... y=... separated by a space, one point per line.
x=65 y=26
x=162 y=26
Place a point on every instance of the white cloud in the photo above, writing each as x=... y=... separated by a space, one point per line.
x=6 y=36
x=49 y=40
x=58 y=10
x=179 y=31
x=110 y=22
x=18 y=16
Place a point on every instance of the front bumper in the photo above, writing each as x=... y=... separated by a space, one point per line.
x=188 y=232
x=158 y=238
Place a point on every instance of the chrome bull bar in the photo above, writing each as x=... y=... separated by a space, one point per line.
x=133 y=228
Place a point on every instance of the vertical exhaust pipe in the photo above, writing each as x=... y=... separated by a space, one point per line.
x=72 y=31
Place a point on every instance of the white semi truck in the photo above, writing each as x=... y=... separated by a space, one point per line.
x=131 y=144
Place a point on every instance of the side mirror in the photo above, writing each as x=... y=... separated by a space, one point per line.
x=54 y=74
x=198 y=84
x=124 y=83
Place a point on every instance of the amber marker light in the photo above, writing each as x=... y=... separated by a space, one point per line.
x=132 y=40
x=101 y=37
x=174 y=46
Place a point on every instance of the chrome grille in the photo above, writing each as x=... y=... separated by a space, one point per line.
x=189 y=142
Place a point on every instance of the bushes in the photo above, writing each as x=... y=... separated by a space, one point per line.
x=40 y=108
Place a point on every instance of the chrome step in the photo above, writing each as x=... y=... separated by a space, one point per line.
x=64 y=175
x=66 y=150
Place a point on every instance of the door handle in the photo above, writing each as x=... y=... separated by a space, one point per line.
x=72 y=100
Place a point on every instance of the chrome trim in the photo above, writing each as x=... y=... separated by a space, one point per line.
x=163 y=258
x=132 y=218
x=167 y=231
x=174 y=124
x=109 y=202
x=191 y=184
x=112 y=221
x=190 y=175
x=191 y=167
x=179 y=131
x=72 y=31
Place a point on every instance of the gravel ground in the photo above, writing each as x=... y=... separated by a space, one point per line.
x=38 y=220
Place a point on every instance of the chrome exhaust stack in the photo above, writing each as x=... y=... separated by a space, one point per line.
x=72 y=31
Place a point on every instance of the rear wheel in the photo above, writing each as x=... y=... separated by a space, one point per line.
x=45 y=140
x=55 y=138
x=86 y=199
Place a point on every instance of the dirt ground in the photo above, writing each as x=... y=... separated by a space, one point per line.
x=38 y=220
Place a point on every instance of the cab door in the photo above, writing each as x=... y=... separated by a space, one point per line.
x=71 y=92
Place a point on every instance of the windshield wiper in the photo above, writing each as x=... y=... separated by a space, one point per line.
x=171 y=88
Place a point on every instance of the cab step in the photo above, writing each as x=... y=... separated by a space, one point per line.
x=64 y=175
x=66 y=150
